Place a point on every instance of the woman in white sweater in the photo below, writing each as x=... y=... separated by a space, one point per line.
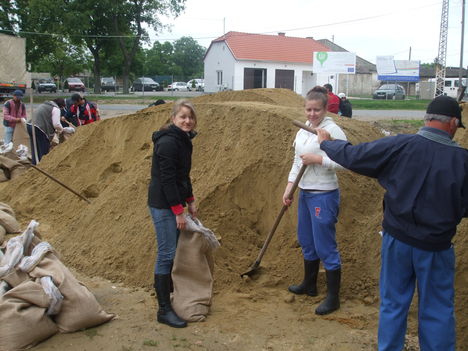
x=319 y=200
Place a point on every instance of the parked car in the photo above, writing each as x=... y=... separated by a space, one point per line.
x=108 y=84
x=46 y=85
x=73 y=84
x=196 y=84
x=389 y=92
x=177 y=86
x=145 y=84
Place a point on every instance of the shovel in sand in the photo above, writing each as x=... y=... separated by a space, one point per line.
x=256 y=264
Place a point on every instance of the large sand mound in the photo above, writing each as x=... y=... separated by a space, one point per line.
x=242 y=156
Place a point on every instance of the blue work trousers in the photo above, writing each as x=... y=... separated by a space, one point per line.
x=316 y=233
x=167 y=234
x=402 y=266
x=8 y=134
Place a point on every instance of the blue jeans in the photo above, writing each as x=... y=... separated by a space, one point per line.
x=316 y=233
x=167 y=235
x=402 y=266
x=8 y=134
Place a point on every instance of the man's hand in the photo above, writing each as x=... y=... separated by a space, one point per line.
x=322 y=135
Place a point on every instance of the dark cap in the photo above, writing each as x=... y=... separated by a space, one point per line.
x=445 y=106
x=18 y=93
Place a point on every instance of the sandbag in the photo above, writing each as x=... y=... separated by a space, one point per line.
x=9 y=222
x=7 y=208
x=80 y=308
x=24 y=320
x=3 y=176
x=192 y=275
x=2 y=234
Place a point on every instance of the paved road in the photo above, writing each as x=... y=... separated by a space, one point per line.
x=372 y=115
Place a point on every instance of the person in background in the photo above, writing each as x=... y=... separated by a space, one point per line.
x=346 y=109
x=157 y=102
x=425 y=176
x=13 y=111
x=46 y=122
x=69 y=118
x=318 y=206
x=169 y=191
x=81 y=111
x=333 y=100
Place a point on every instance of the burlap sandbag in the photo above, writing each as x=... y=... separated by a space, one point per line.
x=80 y=308
x=2 y=234
x=9 y=222
x=24 y=322
x=192 y=275
x=3 y=176
x=7 y=208
x=21 y=136
x=16 y=277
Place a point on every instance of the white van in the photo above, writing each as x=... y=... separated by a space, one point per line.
x=451 y=86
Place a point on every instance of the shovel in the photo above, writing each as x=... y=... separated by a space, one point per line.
x=256 y=264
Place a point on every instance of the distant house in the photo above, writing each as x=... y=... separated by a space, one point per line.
x=237 y=61
x=363 y=82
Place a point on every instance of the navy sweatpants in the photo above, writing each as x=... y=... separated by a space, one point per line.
x=317 y=216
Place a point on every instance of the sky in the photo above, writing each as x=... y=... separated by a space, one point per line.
x=369 y=28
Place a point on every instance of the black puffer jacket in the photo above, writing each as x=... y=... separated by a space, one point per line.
x=170 y=171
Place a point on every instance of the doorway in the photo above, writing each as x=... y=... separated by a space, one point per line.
x=284 y=78
x=255 y=78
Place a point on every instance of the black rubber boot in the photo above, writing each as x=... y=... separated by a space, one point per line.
x=309 y=284
x=332 y=301
x=166 y=314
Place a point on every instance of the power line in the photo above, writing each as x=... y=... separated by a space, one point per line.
x=214 y=37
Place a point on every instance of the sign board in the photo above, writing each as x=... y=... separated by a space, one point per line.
x=385 y=65
x=404 y=70
x=334 y=62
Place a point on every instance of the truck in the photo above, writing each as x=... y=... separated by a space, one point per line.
x=13 y=74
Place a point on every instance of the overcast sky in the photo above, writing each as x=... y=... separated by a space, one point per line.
x=368 y=28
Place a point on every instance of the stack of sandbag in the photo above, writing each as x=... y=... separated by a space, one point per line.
x=8 y=222
x=10 y=166
x=39 y=296
x=193 y=270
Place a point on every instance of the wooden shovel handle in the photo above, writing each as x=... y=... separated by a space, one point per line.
x=280 y=215
x=306 y=127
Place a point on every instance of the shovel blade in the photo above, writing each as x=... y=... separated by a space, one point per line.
x=252 y=269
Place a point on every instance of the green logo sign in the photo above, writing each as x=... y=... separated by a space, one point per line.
x=322 y=57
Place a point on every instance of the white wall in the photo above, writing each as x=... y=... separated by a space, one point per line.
x=219 y=58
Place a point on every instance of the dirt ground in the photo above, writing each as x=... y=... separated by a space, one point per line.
x=241 y=160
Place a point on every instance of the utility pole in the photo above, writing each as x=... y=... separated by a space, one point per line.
x=461 y=49
x=442 y=55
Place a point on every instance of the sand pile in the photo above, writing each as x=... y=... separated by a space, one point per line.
x=242 y=156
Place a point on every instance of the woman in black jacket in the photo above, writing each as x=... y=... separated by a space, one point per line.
x=170 y=190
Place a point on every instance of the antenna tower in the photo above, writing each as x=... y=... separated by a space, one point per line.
x=441 y=57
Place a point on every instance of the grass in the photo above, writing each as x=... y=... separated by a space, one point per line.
x=361 y=104
x=151 y=343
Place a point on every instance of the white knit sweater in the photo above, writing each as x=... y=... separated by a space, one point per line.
x=316 y=177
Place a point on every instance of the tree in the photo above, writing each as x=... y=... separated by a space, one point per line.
x=128 y=19
x=188 y=55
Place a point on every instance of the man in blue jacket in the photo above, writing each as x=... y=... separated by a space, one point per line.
x=425 y=176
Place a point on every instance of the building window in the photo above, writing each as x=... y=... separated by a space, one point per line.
x=219 y=75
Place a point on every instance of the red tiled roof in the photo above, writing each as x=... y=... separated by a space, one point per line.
x=278 y=48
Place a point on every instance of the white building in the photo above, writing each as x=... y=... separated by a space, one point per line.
x=238 y=61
